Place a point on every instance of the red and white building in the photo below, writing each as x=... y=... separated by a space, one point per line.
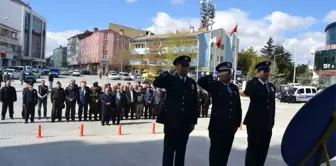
x=98 y=49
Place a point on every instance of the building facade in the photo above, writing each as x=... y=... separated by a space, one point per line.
x=73 y=49
x=9 y=46
x=60 y=57
x=204 y=48
x=32 y=30
x=100 y=50
x=325 y=60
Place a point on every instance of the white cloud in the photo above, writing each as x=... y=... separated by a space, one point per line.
x=130 y=1
x=177 y=2
x=330 y=17
x=55 y=39
x=254 y=32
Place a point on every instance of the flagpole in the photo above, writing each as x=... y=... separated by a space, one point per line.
x=236 y=41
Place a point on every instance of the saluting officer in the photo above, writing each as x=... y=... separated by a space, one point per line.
x=29 y=101
x=179 y=115
x=259 y=118
x=226 y=113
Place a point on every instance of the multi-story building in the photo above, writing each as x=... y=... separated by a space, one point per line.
x=9 y=45
x=207 y=49
x=100 y=50
x=32 y=30
x=73 y=54
x=60 y=57
x=325 y=60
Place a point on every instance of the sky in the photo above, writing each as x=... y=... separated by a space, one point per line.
x=297 y=24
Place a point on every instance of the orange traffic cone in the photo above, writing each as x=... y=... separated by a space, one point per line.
x=241 y=126
x=153 y=128
x=119 y=129
x=39 y=132
x=81 y=130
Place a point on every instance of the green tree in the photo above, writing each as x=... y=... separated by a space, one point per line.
x=305 y=76
x=268 y=49
x=246 y=59
x=283 y=59
x=275 y=77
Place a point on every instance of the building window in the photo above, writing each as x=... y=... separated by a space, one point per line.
x=14 y=35
x=104 y=57
x=105 y=36
x=105 y=47
x=221 y=59
x=222 y=46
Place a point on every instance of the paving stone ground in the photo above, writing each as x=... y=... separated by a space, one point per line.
x=62 y=146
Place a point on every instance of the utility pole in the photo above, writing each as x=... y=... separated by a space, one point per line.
x=294 y=74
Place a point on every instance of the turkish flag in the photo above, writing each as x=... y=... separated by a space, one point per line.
x=2 y=55
x=219 y=42
x=234 y=30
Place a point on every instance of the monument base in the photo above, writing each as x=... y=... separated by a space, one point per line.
x=322 y=144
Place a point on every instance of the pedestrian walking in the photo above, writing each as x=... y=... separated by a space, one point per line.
x=29 y=101
x=259 y=119
x=8 y=97
x=226 y=113
x=179 y=115
x=51 y=80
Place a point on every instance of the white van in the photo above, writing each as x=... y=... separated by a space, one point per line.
x=304 y=93
x=25 y=68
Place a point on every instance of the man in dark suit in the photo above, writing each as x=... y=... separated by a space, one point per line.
x=226 y=113
x=71 y=96
x=206 y=101
x=108 y=104
x=42 y=94
x=157 y=99
x=83 y=100
x=29 y=101
x=259 y=119
x=57 y=99
x=120 y=105
x=179 y=115
x=131 y=100
x=8 y=97
x=95 y=104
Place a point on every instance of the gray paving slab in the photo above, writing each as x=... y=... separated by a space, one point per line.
x=61 y=144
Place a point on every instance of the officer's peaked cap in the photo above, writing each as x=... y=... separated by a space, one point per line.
x=224 y=66
x=264 y=65
x=30 y=83
x=182 y=60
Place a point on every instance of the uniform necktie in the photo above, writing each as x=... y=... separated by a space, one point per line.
x=266 y=86
x=229 y=88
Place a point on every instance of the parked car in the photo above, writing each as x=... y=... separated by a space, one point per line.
x=45 y=71
x=14 y=74
x=76 y=73
x=65 y=71
x=37 y=73
x=139 y=78
x=54 y=72
x=113 y=76
x=304 y=93
x=125 y=76
x=29 y=77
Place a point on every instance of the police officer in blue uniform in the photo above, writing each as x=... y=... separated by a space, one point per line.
x=259 y=119
x=226 y=113
x=179 y=114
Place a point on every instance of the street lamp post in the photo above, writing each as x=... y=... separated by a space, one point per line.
x=294 y=74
